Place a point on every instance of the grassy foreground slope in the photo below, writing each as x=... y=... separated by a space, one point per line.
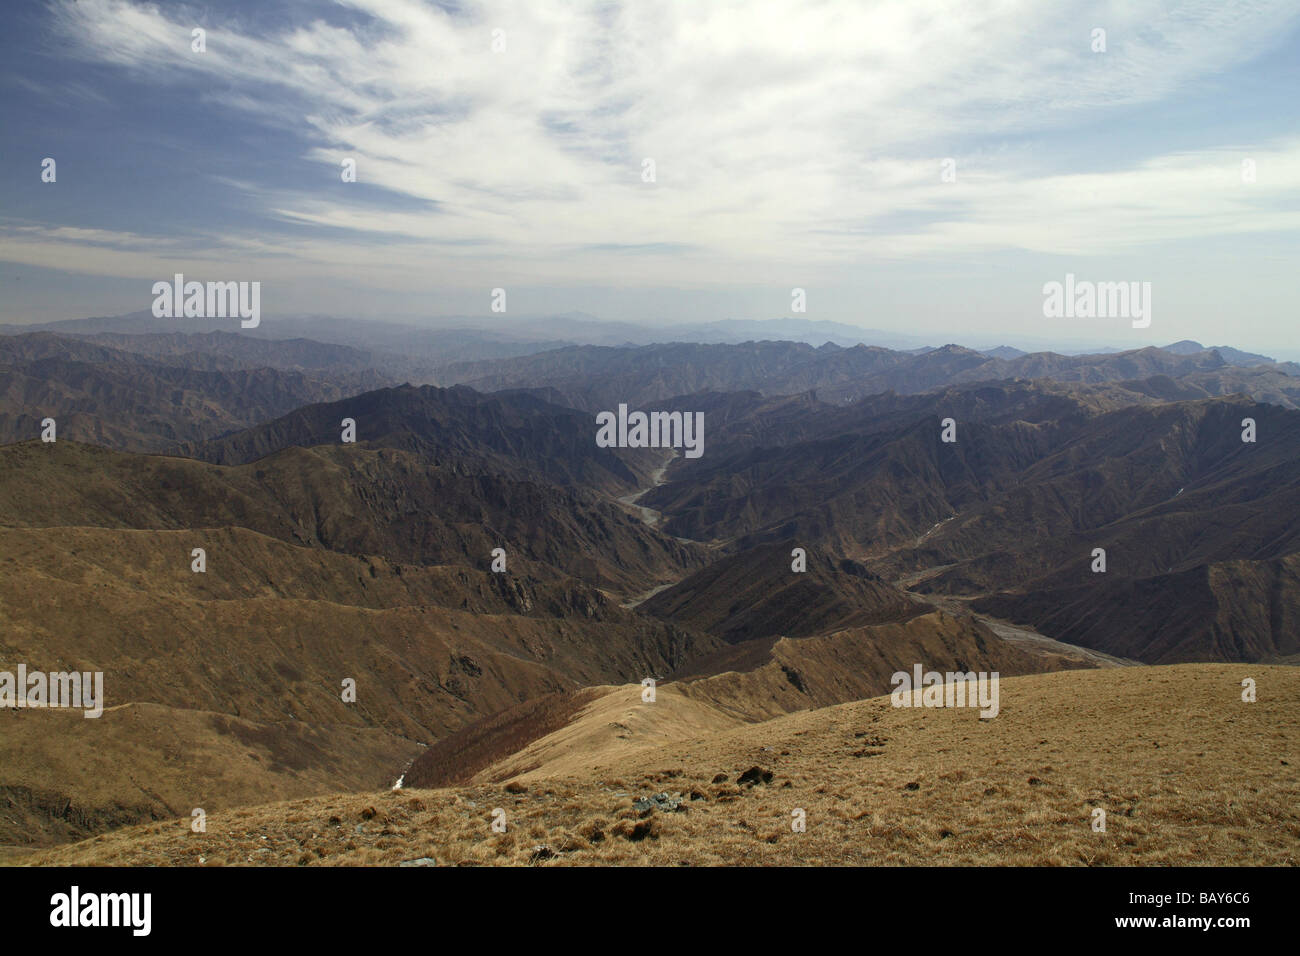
x=1186 y=771
x=223 y=688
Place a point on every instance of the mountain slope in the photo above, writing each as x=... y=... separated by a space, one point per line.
x=135 y=403
x=509 y=434
x=1036 y=480
x=247 y=661
x=344 y=498
x=756 y=594
x=1223 y=611
x=1186 y=773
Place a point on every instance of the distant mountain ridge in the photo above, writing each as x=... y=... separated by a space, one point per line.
x=1230 y=355
x=596 y=377
x=99 y=393
x=436 y=340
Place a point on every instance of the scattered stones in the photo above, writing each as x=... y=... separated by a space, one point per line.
x=540 y=853
x=422 y=861
x=659 y=801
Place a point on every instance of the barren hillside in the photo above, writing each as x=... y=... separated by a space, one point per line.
x=1186 y=772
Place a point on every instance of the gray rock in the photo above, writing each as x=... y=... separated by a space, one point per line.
x=659 y=801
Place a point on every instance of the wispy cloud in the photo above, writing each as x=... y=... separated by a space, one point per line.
x=809 y=134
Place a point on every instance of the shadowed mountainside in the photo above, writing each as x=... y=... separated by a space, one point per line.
x=1035 y=481
x=343 y=498
x=506 y=434
x=756 y=594
x=133 y=402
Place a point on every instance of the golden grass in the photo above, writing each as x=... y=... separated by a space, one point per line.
x=1186 y=772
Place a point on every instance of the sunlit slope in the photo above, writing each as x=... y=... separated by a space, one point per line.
x=1186 y=771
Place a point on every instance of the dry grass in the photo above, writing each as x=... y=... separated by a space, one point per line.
x=457 y=758
x=65 y=778
x=1187 y=773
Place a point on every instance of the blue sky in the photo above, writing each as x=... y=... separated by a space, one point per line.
x=795 y=145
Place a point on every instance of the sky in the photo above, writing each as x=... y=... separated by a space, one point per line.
x=920 y=167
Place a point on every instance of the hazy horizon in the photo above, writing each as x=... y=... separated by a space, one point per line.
x=912 y=168
x=781 y=328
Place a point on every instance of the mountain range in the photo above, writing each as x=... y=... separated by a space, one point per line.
x=431 y=519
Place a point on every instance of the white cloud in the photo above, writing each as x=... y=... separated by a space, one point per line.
x=801 y=133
